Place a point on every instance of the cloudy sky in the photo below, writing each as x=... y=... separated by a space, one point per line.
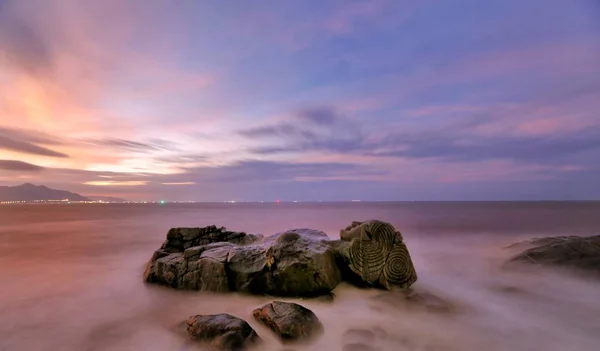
x=302 y=100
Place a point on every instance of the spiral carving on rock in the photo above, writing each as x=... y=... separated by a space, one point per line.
x=398 y=269
x=378 y=254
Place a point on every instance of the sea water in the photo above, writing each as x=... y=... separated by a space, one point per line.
x=71 y=277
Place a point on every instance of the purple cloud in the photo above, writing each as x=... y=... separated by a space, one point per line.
x=21 y=141
x=19 y=166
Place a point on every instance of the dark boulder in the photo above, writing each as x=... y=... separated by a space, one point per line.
x=290 y=321
x=222 y=331
x=582 y=253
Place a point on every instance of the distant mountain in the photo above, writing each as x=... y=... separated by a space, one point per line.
x=30 y=192
x=106 y=199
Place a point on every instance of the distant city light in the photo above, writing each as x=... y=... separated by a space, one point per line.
x=162 y=201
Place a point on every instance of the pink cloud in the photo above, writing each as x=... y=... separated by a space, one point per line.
x=545 y=126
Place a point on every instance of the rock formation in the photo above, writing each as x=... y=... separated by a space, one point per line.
x=290 y=321
x=582 y=253
x=299 y=262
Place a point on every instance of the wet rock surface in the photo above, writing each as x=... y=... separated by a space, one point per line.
x=289 y=321
x=582 y=253
x=221 y=331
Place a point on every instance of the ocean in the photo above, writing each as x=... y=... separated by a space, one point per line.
x=71 y=276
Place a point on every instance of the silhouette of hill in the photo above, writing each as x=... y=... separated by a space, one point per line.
x=30 y=192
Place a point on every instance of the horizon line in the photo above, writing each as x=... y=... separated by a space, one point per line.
x=164 y=202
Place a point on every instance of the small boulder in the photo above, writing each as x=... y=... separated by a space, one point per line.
x=290 y=321
x=222 y=331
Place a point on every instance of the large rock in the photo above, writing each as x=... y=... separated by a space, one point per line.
x=582 y=253
x=376 y=253
x=297 y=262
x=222 y=331
x=290 y=321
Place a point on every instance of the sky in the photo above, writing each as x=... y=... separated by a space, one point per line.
x=302 y=100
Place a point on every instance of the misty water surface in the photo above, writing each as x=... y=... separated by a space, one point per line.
x=72 y=276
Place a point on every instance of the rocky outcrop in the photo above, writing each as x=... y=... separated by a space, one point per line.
x=221 y=331
x=535 y=242
x=289 y=321
x=299 y=262
x=293 y=263
x=582 y=253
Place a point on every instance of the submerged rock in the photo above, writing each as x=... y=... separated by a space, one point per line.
x=223 y=331
x=359 y=335
x=377 y=254
x=410 y=299
x=290 y=321
x=535 y=242
x=582 y=253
